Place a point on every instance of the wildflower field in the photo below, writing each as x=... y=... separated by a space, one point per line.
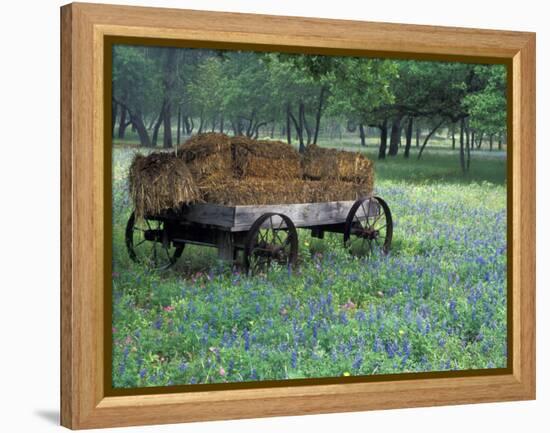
x=437 y=302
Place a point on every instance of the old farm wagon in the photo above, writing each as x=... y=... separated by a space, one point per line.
x=252 y=221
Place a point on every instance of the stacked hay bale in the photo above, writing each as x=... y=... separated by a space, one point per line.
x=264 y=159
x=217 y=169
x=258 y=191
x=160 y=181
x=208 y=156
x=320 y=163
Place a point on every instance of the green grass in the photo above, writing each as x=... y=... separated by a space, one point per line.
x=437 y=302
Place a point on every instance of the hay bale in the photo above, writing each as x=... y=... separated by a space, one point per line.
x=160 y=181
x=267 y=159
x=336 y=190
x=320 y=163
x=208 y=156
x=259 y=191
x=213 y=157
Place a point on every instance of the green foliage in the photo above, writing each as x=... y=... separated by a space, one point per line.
x=430 y=88
x=487 y=106
x=253 y=90
x=206 y=87
x=247 y=92
x=361 y=86
x=136 y=77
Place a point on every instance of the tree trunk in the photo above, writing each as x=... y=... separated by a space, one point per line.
x=157 y=126
x=178 y=134
x=201 y=123
x=499 y=141
x=362 y=135
x=468 y=152
x=301 y=122
x=187 y=125
x=221 y=123
x=318 y=114
x=428 y=137
x=167 y=122
x=453 y=127
x=408 y=137
x=462 y=160
x=299 y=130
x=395 y=136
x=472 y=139
x=213 y=123
x=491 y=141
x=272 y=133
x=123 y=123
x=480 y=141
x=250 y=127
x=137 y=121
x=305 y=124
x=383 y=139
x=257 y=129
x=288 y=131
x=114 y=112
x=124 y=112
x=151 y=123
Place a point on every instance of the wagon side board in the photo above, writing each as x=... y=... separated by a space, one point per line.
x=240 y=218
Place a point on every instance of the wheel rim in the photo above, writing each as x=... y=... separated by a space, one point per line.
x=272 y=239
x=369 y=227
x=148 y=244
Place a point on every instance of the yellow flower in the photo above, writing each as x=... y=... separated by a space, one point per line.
x=306 y=243
x=401 y=332
x=347 y=373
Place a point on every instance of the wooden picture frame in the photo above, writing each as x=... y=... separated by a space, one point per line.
x=84 y=29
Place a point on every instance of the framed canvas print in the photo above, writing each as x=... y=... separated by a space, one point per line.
x=268 y=216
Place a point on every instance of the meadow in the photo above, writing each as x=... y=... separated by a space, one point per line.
x=437 y=302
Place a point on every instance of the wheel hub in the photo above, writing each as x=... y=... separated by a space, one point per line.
x=368 y=233
x=270 y=250
x=153 y=235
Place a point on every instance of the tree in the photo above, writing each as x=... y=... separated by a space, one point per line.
x=136 y=85
x=301 y=85
x=487 y=106
x=246 y=95
x=432 y=90
x=206 y=90
x=360 y=90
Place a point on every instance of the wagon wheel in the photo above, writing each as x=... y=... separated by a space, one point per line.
x=148 y=243
x=369 y=227
x=271 y=239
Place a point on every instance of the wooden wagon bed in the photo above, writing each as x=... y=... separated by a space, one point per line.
x=241 y=217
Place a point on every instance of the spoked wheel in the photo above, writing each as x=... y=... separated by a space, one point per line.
x=148 y=244
x=369 y=227
x=272 y=239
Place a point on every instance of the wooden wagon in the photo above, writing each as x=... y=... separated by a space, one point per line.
x=254 y=237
